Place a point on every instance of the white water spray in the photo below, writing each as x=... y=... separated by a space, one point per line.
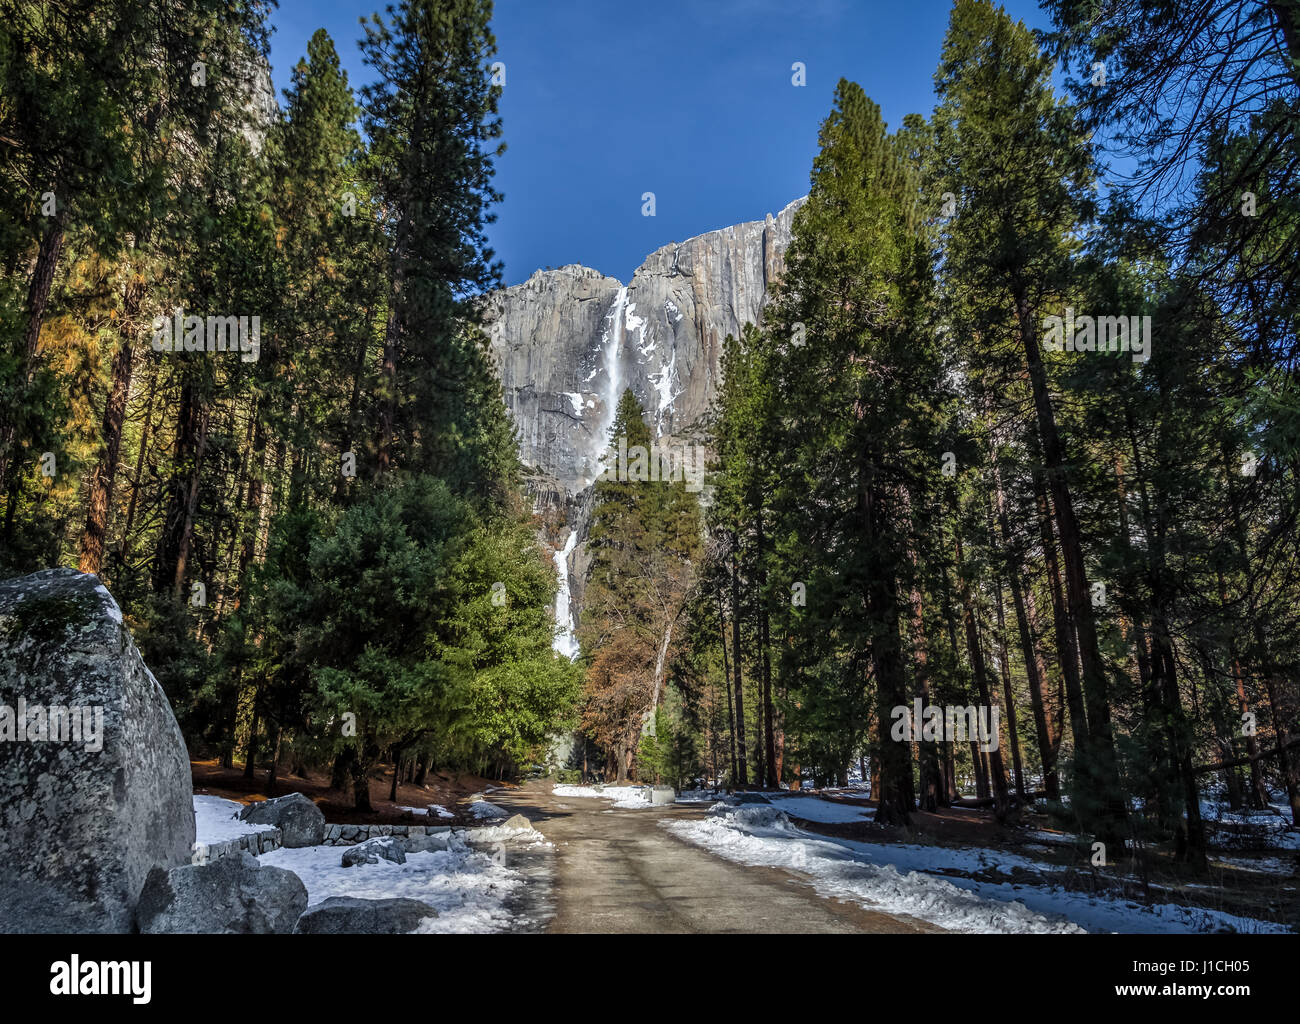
x=565 y=642
x=613 y=342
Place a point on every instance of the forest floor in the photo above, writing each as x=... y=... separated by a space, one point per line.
x=617 y=870
x=449 y=790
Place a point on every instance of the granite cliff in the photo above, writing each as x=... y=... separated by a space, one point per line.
x=567 y=343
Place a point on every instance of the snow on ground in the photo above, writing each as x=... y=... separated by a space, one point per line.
x=466 y=884
x=895 y=879
x=812 y=808
x=1046 y=836
x=622 y=796
x=1267 y=829
x=482 y=810
x=698 y=796
x=1259 y=865
x=215 y=820
x=431 y=810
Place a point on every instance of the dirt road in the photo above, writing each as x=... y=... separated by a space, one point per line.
x=616 y=870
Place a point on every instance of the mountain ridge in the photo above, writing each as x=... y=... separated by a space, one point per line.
x=567 y=341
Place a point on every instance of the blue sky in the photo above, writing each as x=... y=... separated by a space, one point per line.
x=689 y=99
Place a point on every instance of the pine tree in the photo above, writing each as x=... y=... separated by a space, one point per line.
x=1019 y=167
x=854 y=363
x=432 y=120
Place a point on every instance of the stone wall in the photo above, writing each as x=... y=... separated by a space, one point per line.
x=254 y=842
x=350 y=835
x=258 y=843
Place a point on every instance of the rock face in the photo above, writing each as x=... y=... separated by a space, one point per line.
x=230 y=896
x=568 y=342
x=431 y=842
x=94 y=775
x=348 y=915
x=300 y=821
x=373 y=850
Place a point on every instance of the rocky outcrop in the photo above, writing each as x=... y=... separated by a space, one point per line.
x=568 y=342
x=430 y=842
x=230 y=896
x=94 y=775
x=300 y=821
x=348 y=915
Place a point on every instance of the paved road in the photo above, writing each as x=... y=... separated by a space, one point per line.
x=617 y=870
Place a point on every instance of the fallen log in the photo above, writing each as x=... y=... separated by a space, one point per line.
x=1238 y=762
x=988 y=801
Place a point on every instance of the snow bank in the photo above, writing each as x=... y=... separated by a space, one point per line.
x=470 y=887
x=813 y=808
x=635 y=797
x=901 y=880
x=697 y=796
x=216 y=821
x=429 y=811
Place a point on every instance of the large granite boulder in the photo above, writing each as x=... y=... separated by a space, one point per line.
x=434 y=840
x=233 y=895
x=94 y=776
x=301 y=822
x=348 y=915
x=372 y=851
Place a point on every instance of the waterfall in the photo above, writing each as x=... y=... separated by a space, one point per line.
x=565 y=642
x=613 y=341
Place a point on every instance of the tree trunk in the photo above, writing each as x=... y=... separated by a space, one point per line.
x=388 y=386
x=145 y=435
x=38 y=295
x=1004 y=663
x=275 y=762
x=182 y=503
x=1101 y=767
x=102 y=479
x=741 y=768
x=769 y=725
x=1035 y=667
x=997 y=776
x=931 y=778
x=361 y=784
x=731 y=717
x=251 y=752
x=342 y=767
x=980 y=769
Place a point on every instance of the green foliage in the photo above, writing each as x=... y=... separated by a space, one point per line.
x=349 y=498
